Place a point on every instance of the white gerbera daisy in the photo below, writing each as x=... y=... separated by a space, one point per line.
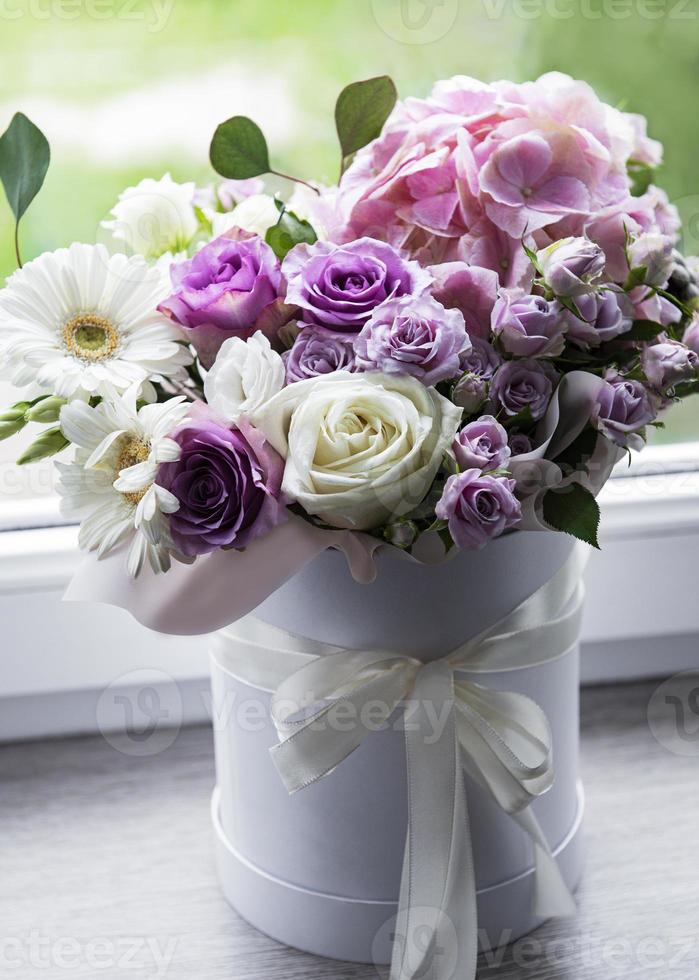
x=78 y=319
x=111 y=484
x=154 y=218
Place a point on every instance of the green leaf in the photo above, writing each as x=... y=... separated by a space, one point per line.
x=239 y=149
x=49 y=443
x=522 y=419
x=643 y=330
x=361 y=110
x=532 y=256
x=573 y=510
x=641 y=175
x=289 y=231
x=578 y=454
x=636 y=277
x=570 y=304
x=24 y=159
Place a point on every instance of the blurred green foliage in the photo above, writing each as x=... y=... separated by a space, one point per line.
x=64 y=60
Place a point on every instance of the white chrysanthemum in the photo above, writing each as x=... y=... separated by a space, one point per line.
x=111 y=484
x=78 y=319
x=154 y=217
x=244 y=376
x=257 y=214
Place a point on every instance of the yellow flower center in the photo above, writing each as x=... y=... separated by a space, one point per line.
x=90 y=337
x=132 y=452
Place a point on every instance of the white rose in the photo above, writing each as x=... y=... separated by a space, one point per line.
x=244 y=376
x=359 y=448
x=154 y=217
x=256 y=214
x=653 y=252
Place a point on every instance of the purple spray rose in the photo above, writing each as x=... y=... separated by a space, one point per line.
x=478 y=507
x=602 y=319
x=340 y=286
x=623 y=408
x=470 y=392
x=481 y=444
x=570 y=265
x=482 y=359
x=529 y=326
x=228 y=484
x=520 y=444
x=223 y=291
x=652 y=251
x=691 y=334
x=318 y=351
x=413 y=335
x=669 y=363
x=518 y=385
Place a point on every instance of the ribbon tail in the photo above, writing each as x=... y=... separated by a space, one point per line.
x=436 y=931
x=552 y=897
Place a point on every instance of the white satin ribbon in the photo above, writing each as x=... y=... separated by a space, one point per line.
x=502 y=739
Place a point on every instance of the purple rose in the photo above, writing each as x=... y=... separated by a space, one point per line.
x=340 y=286
x=482 y=359
x=570 y=265
x=223 y=291
x=652 y=251
x=520 y=444
x=228 y=484
x=467 y=288
x=469 y=393
x=691 y=334
x=318 y=351
x=669 y=363
x=482 y=445
x=529 y=326
x=478 y=507
x=622 y=409
x=413 y=335
x=602 y=319
x=519 y=385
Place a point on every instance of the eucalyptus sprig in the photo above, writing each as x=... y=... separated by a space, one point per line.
x=24 y=160
x=239 y=151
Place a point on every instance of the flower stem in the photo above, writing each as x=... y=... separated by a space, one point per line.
x=298 y=180
x=19 y=257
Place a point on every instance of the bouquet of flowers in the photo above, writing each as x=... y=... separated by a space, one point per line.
x=459 y=339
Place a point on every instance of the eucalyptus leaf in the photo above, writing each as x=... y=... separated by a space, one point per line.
x=24 y=160
x=574 y=511
x=361 y=110
x=239 y=149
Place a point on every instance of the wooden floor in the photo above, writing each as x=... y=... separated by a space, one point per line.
x=106 y=866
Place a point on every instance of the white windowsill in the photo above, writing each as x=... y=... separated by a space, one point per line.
x=642 y=618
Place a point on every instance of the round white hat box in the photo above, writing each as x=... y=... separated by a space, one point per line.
x=320 y=870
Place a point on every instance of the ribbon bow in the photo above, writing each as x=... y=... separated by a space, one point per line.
x=502 y=739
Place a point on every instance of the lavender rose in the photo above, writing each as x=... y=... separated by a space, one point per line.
x=602 y=319
x=652 y=252
x=529 y=326
x=340 y=286
x=669 y=363
x=623 y=408
x=223 y=291
x=470 y=392
x=413 y=335
x=318 y=351
x=519 y=385
x=482 y=445
x=478 y=507
x=570 y=265
x=228 y=484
